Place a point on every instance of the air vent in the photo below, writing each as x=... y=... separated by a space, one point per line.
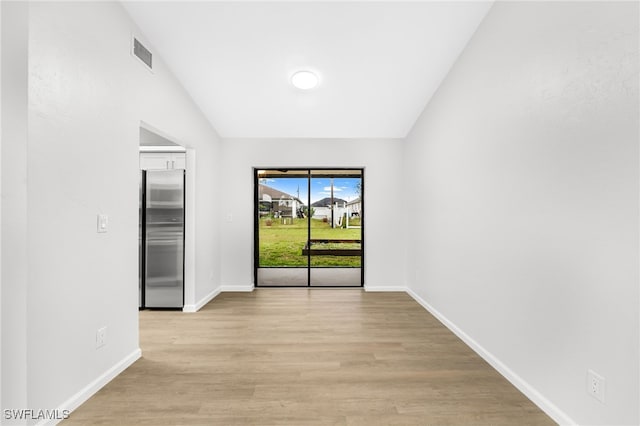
x=142 y=53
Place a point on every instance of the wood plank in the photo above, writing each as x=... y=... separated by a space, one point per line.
x=305 y=357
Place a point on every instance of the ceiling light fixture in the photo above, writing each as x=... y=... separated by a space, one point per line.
x=304 y=80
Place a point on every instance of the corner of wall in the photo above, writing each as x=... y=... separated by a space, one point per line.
x=523 y=386
x=90 y=389
x=195 y=307
x=14 y=170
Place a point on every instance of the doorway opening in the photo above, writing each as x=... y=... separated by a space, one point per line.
x=161 y=219
x=309 y=227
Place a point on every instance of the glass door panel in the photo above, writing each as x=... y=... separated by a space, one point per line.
x=308 y=228
x=335 y=243
x=282 y=227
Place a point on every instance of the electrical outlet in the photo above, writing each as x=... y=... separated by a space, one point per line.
x=101 y=337
x=595 y=385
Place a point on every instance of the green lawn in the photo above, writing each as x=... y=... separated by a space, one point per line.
x=281 y=245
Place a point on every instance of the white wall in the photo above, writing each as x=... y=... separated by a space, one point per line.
x=382 y=182
x=525 y=169
x=87 y=99
x=14 y=203
x=1 y=98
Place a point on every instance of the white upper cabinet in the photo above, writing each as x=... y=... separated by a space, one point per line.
x=163 y=160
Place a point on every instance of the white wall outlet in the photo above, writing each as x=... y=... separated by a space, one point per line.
x=595 y=385
x=103 y=221
x=101 y=337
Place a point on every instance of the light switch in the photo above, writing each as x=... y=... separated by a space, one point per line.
x=229 y=217
x=103 y=221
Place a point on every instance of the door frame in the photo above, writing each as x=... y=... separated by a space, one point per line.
x=256 y=224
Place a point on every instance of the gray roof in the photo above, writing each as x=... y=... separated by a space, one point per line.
x=276 y=194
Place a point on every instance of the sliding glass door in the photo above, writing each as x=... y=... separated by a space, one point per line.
x=281 y=227
x=336 y=236
x=308 y=227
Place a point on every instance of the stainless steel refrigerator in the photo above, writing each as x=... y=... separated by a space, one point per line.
x=162 y=239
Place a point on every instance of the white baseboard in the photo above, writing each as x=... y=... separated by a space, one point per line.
x=530 y=392
x=208 y=298
x=88 y=391
x=248 y=287
x=384 y=288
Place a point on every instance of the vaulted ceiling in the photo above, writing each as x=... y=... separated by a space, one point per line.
x=379 y=63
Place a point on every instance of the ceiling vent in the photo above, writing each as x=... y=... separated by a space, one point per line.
x=142 y=53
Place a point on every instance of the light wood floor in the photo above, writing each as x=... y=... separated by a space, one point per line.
x=305 y=357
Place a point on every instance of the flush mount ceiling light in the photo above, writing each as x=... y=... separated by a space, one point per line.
x=304 y=80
